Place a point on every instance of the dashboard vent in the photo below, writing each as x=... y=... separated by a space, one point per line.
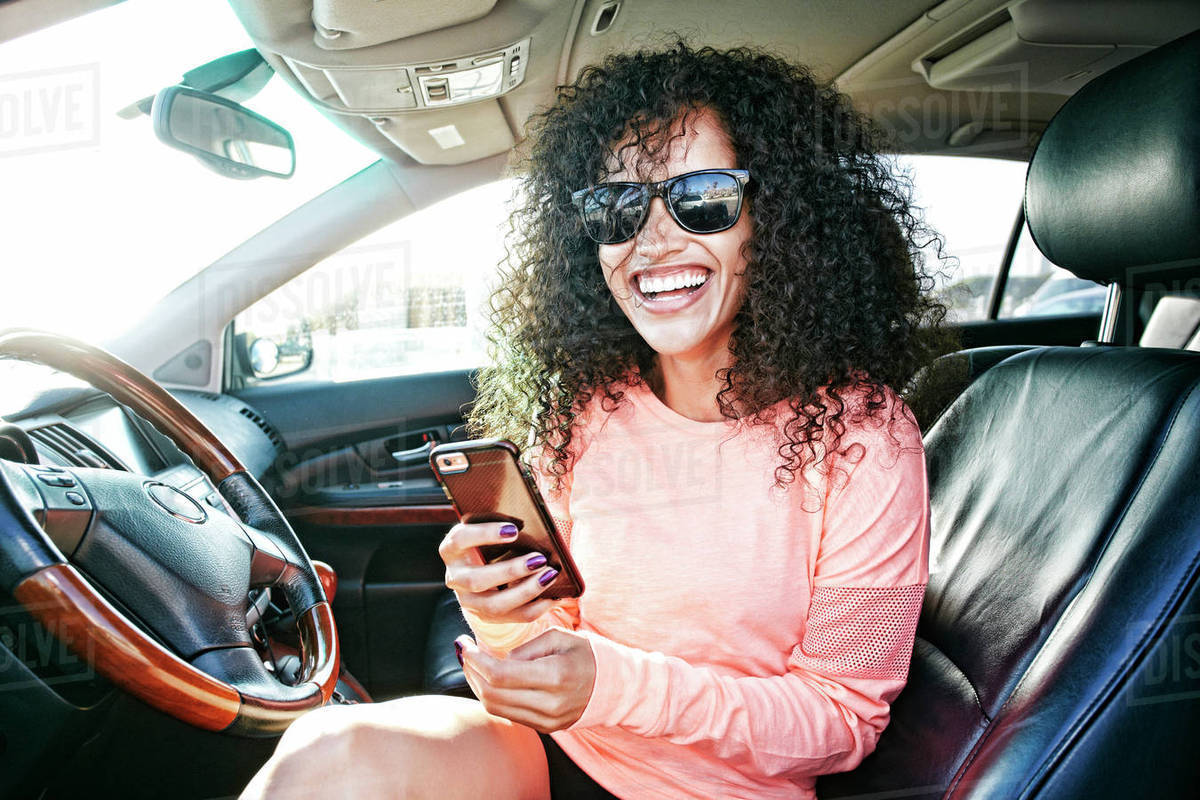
x=73 y=447
x=265 y=426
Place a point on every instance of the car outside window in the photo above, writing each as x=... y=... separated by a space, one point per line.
x=411 y=297
x=407 y=299
x=972 y=202
x=100 y=219
x=1037 y=288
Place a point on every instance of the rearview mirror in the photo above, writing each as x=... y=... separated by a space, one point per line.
x=224 y=135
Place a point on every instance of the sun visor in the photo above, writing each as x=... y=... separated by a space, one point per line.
x=1051 y=46
x=349 y=24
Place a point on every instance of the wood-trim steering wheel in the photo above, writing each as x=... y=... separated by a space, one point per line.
x=205 y=674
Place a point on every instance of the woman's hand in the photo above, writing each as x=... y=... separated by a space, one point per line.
x=475 y=582
x=545 y=683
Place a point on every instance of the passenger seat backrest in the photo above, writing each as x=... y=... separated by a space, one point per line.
x=1066 y=525
x=1057 y=652
x=934 y=388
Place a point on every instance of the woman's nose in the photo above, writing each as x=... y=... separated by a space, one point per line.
x=658 y=233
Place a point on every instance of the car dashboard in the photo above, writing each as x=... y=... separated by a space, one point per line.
x=85 y=428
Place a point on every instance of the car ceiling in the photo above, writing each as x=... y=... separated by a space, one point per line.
x=960 y=76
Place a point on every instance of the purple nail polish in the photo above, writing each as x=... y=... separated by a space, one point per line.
x=548 y=576
x=508 y=530
x=458 y=651
x=534 y=561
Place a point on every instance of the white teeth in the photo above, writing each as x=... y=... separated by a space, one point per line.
x=671 y=282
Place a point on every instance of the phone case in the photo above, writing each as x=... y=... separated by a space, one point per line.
x=493 y=487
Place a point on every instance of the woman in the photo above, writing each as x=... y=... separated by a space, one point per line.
x=715 y=284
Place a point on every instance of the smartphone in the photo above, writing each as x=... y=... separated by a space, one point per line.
x=486 y=483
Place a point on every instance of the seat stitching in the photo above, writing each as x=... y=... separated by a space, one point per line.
x=1108 y=540
x=1121 y=674
x=974 y=693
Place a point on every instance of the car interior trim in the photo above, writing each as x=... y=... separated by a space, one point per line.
x=66 y=604
x=110 y=374
x=373 y=515
x=1001 y=282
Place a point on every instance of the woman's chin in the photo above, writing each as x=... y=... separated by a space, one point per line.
x=681 y=345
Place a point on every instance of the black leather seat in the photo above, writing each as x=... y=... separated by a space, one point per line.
x=1058 y=652
x=443 y=674
x=934 y=388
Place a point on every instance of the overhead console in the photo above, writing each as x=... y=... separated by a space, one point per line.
x=985 y=76
x=408 y=87
x=1051 y=46
x=445 y=83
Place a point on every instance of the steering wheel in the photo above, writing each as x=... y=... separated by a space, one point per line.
x=162 y=613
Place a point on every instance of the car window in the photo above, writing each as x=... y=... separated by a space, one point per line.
x=411 y=297
x=1037 y=288
x=408 y=298
x=100 y=219
x=972 y=203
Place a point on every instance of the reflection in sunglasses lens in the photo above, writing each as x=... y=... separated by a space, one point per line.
x=612 y=213
x=705 y=203
x=630 y=207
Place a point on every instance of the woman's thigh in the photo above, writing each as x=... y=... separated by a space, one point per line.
x=428 y=746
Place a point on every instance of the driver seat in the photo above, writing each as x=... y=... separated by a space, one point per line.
x=1056 y=652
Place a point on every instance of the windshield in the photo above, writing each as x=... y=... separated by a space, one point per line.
x=99 y=218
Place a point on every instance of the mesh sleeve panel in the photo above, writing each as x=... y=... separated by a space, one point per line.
x=862 y=632
x=564 y=527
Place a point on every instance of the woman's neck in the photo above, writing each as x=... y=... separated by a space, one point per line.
x=688 y=387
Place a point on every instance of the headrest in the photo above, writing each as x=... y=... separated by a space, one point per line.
x=1113 y=190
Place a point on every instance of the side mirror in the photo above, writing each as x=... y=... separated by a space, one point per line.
x=224 y=135
x=264 y=357
x=268 y=358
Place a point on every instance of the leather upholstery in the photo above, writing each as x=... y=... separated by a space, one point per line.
x=443 y=674
x=256 y=507
x=1113 y=190
x=935 y=387
x=1174 y=323
x=1057 y=655
x=1064 y=564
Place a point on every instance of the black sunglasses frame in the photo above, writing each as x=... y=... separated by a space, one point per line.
x=653 y=189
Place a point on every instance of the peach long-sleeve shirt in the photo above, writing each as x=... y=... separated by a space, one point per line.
x=746 y=638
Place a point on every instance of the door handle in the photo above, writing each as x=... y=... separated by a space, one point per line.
x=415 y=455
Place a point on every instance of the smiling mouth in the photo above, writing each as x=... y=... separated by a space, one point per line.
x=677 y=285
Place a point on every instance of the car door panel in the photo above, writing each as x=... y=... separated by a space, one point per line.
x=321 y=414
x=376 y=520
x=1066 y=329
x=389 y=578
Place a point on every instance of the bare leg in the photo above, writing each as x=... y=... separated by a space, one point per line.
x=414 y=747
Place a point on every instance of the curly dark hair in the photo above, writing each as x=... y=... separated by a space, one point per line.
x=837 y=291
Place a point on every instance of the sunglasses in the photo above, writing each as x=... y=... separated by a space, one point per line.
x=704 y=201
